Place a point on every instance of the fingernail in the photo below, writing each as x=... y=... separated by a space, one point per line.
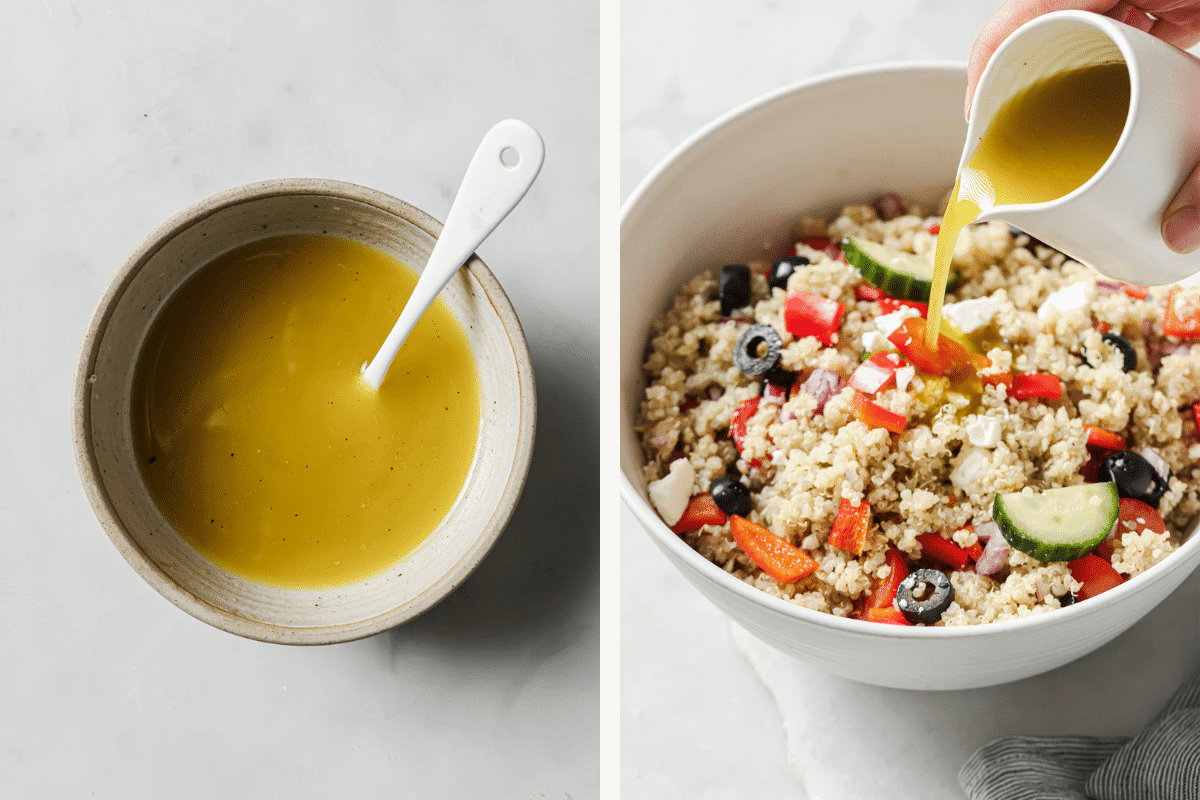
x=1181 y=230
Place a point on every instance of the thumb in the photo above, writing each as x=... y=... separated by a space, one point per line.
x=1181 y=221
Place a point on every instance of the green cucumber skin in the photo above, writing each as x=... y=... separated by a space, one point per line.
x=896 y=284
x=1050 y=551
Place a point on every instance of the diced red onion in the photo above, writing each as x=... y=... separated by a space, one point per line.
x=995 y=555
x=1107 y=287
x=715 y=392
x=888 y=207
x=984 y=530
x=821 y=385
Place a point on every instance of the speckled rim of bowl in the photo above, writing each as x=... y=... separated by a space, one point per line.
x=671 y=542
x=122 y=539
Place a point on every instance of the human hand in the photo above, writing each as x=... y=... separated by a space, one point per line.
x=1174 y=21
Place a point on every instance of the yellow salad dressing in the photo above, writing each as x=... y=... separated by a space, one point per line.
x=257 y=437
x=1042 y=144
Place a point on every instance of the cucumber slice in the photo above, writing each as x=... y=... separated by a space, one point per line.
x=906 y=276
x=1058 y=524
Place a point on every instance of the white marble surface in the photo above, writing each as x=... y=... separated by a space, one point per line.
x=707 y=712
x=116 y=115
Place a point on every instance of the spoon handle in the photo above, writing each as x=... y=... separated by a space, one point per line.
x=501 y=171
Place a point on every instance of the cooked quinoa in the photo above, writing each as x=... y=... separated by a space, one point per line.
x=933 y=477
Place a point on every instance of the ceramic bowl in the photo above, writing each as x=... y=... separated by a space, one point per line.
x=732 y=193
x=108 y=466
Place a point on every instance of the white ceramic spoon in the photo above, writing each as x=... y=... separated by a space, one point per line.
x=501 y=171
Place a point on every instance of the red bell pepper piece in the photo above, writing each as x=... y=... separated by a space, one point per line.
x=871 y=376
x=851 y=526
x=701 y=510
x=1196 y=413
x=875 y=415
x=888 y=616
x=806 y=314
x=815 y=242
x=943 y=551
x=1035 y=386
x=778 y=558
x=865 y=291
x=737 y=424
x=1106 y=440
x=889 y=304
x=974 y=551
x=774 y=393
x=883 y=593
x=1096 y=575
x=1135 y=291
x=950 y=356
x=1186 y=326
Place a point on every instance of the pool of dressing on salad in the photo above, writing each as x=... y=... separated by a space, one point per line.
x=1042 y=144
x=256 y=435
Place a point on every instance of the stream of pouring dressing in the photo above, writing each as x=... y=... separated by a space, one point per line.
x=1042 y=144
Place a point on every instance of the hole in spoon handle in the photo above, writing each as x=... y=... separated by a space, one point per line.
x=491 y=188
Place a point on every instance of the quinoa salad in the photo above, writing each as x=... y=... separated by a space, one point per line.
x=798 y=436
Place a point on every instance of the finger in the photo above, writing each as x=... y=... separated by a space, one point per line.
x=1131 y=15
x=1181 y=222
x=1181 y=29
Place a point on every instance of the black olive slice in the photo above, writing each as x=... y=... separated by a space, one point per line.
x=745 y=355
x=1134 y=477
x=783 y=270
x=735 y=288
x=936 y=596
x=730 y=495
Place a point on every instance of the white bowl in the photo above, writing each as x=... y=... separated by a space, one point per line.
x=733 y=192
x=103 y=439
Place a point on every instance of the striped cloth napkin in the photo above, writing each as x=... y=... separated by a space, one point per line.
x=1160 y=763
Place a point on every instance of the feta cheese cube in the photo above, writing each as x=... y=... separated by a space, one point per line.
x=886 y=323
x=971 y=315
x=984 y=432
x=670 y=493
x=1068 y=298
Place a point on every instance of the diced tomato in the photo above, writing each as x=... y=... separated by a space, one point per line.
x=850 y=527
x=737 y=424
x=1035 y=386
x=1096 y=575
x=1173 y=325
x=883 y=593
x=1134 y=516
x=889 y=304
x=1135 y=291
x=950 y=356
x=935 y=229
x=877 y=416
x=1103 y=326
x=888 y=616
x=943 y=551
x=1196 y=413
x=701 y=510
x=876 y=372
x=806 y=314
x=1107 y=440
x=778 y=558
x=865 y=291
